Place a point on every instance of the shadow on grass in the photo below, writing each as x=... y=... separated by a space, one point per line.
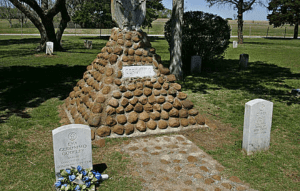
x=25 y=86
x=261 y=79
x=19 y=41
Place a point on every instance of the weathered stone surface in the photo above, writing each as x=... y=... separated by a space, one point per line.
x=138 y=92
x=184 y=122
x=119 y=75
x=138 y=108
x=143 y=100
x=144 y=116
x=164 y=115
x=133 y=101
x=157 y=86
x=148 y=107
x=123 y=88
x=171 y=78
x=166 y=86
x=117 y=94
x=193 y=112
x=132 y=117
x=141 y=126
x=160 y=99
x=155 y=115
x=162 y=124
x=129 y=108
x=157 y=107
x=170 y=98
x=108 y=80
x=156 y=92
x=192 y=120
x=139 y=85
x=172 y=91
x=121 y=119
x=147 y=91
x=106 y=90
x=200 y=119
x=128 y=95
x=118 y=50
x=187 y=104
x=151 y=124
x=113 y=102
x=174 y=122
x=97 y=108
x=167 y=106
x=174 y=113
x=124 y=102
x=129 y=129
x=103 y=131
x=183 y=113
x=120 y=110
x=152 y=99
x=110 y=110
x=118 y=82
x=163 y=92
x=94 y=120
x=118 y=129
x=113 y=59
x=92 y=134
x=176 y=86
x=110 y=121
x=131 y=87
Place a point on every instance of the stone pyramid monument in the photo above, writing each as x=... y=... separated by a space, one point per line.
x=126 y=91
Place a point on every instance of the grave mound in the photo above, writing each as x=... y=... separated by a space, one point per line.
x=127 y=92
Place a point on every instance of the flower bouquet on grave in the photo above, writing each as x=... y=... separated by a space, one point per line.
x=79 y=179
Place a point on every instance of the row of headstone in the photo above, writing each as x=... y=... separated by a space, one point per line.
x=257 y=126
x=88 y=44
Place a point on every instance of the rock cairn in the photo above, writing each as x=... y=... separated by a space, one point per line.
x=122 y=107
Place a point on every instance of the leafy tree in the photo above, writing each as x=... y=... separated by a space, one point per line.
x=41 y=14
x=94 y=14
x=152 y=8
x=241 y=6
x=203 y=34
x=7 y=11
x=176 y=38
x=285 y=11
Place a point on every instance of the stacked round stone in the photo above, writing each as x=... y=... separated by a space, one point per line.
x=112 y=105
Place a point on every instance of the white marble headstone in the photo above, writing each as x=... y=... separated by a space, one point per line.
x=72 y=147
x=49 y=48
x=196 y=62
x=235 y=44
x=137 y=71
x=257 y=125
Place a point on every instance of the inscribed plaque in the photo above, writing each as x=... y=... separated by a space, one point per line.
x=137 y=71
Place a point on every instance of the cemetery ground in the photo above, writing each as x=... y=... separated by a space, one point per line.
x=33 y=85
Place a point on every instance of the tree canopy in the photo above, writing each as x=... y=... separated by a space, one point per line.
x=283 y=12
x=241 y=6
x=152 y=12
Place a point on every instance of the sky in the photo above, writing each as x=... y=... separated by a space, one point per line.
x=258 y=13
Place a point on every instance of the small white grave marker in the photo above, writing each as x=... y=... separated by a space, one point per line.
x=257 y=125
x=196 y=62
x=235 y=44
x=72 y=147
x=137 y=71
x=49 y=48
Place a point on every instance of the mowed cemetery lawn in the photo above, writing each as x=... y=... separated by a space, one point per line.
x=33 y=85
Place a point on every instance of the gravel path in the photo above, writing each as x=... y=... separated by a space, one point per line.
x=175 y=163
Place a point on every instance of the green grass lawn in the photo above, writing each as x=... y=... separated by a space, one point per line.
x=33 y=85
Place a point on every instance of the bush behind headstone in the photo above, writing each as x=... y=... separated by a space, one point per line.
x=203 y=34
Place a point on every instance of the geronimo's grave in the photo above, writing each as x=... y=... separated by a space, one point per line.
x=126 y=91
x=72 y=147
x=257 y=125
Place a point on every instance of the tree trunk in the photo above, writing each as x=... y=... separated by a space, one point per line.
x=240 y=21
x=296 y=30
x=65 y=18
x=176 y=43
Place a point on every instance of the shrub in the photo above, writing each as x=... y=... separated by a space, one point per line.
x=203 y=34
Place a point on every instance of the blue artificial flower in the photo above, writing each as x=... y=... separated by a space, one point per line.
x=79 y=168
x=94 y=172
x=61 y=178
x=98 y=176
x=72 y=177
x=68 y=171
x=57 y=184
x=88 y=184
x=85 y=179
x=84 y=173
x=65 y=185
x=77 y=187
